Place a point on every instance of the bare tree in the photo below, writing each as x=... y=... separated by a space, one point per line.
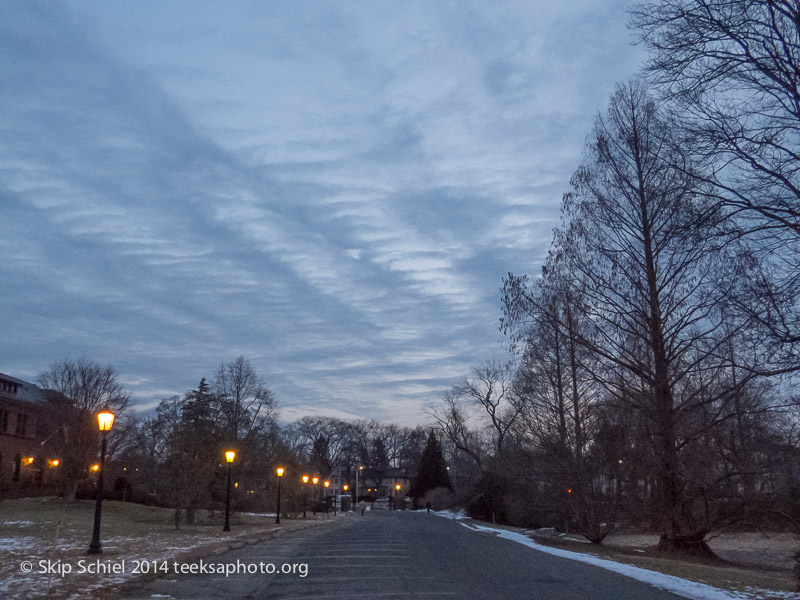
x=643 y=248
x=730 y=70
x=84 y=387
x=325 y=440
x=247 y=405
x=488 y=388
x=451 y=417
x=556 y=379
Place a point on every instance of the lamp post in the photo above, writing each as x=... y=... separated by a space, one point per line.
x=305 y=494
x=315 y=481
x=345 y=488
x=326 y=484
x=230 y=456
x=105 y=419
x=279 y=471
x=355 y=501
x=397 y=487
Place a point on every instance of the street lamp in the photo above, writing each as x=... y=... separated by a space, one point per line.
x=355 y=500
x=397 y=487
x=326 y=484
x=105 y=419
x=279 y=471
x=305 y=494
x=230 y=456
x=315 y=481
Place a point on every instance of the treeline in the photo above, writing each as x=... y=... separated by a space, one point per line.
x=657 y=350
x=174 y=456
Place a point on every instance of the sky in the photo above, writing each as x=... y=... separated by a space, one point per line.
x=334 y=190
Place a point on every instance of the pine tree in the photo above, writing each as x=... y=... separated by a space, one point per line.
x=432 y=472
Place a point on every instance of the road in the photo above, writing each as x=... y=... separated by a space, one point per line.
x=402 y=555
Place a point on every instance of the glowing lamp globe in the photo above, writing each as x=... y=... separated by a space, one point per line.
x=105 y=419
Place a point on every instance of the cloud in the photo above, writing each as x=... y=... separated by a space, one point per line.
x=334 y=192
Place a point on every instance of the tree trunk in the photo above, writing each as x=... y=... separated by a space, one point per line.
x=692 y=545
x=70 y=490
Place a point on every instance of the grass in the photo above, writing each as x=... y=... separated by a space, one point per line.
x=740 y=578
x=42 y=529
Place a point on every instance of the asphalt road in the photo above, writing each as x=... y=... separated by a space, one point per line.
x=402 y=555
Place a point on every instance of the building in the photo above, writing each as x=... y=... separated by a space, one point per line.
x=371 y=486
x=25 y=462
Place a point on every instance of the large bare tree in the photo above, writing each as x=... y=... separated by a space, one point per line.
x=84 y=387
x=731 y=71
x=247 y=405
x=642 y=246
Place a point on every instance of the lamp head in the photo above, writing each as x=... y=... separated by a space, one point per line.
x=279 y=471
x=230 y=456
x=105 y=419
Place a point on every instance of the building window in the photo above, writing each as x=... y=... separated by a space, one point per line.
x=22 y=424
x=9 y=387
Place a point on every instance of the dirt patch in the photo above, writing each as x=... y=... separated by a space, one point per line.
x=762 y=550
x=751 y=564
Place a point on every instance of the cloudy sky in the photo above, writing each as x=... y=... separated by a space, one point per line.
x=334 y=190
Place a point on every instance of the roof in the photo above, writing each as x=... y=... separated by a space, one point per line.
x=27 y=392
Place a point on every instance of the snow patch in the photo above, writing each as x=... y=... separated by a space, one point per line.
x=449 y=514
x=676 y=585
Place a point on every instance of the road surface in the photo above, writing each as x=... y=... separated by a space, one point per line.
x=402 y=555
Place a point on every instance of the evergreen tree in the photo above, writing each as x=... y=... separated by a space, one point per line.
x=432 y=471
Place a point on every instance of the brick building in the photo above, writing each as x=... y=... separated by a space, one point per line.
x=25 y=460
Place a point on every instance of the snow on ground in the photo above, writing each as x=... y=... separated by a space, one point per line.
x=449 y=514
x=19 y=584
x=676 y=585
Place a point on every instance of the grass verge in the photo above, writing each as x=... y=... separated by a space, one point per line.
x=39 y=530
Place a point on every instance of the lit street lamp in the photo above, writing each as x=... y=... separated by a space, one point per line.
x=305 y=494
x=279 y=471
x=230 y=456
x=315 y=481
x=355 y=499
x=105 y=419
x=397 y=487
x=326 y=484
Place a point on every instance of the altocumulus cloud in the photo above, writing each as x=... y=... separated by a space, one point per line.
x=334 y=190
